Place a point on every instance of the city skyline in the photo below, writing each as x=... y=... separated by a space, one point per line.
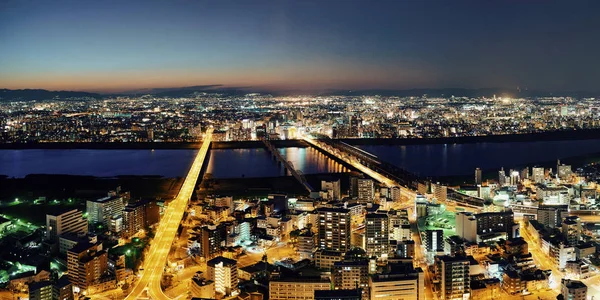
x=299 y=46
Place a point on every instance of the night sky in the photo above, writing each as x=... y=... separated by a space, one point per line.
x=300 y=45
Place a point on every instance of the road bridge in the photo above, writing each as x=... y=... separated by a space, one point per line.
x=156 y=259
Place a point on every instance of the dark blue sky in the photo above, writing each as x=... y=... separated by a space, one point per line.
x=300 y=45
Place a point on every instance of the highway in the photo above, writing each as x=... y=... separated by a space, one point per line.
x=156 y=259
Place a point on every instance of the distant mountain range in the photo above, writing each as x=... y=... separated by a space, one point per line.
x=191 y=91
x=39 y=94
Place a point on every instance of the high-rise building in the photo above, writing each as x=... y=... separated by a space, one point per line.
x=351 y=274
x=421 y=206
x=478 y=179
x=399 y=225
x=70 y=221
x=405 y=248
x=366 y=190
x=563 y=171
x=210 y=240
x=525 y=173
x=334 y=229
x=223 y=271
x=453 y=273
x=133 y=219
x=377 y=235
x=573 y=289
x=571 y=230
x=466 y=226
x=86 y=264
x=399 y=281
x=538 y=174
x=440 y=192
x=139 y=215
x=495 y=222
x=515 y=177
x=306 y=245
x=552 y=215
x=501 y=177
x=331 y=188
x=297 y=288
x=434 y=240
x=103 y=209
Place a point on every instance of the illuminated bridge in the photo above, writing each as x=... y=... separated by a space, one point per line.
x=289 y=166
x=386 y=173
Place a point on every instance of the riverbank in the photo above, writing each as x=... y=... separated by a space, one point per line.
x=542 y=136
x=574 y=161
x=263 y=186
x=583 y=134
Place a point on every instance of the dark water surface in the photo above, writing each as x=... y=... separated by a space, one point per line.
x=462 y=159
x=224 y=163
x=425 y=160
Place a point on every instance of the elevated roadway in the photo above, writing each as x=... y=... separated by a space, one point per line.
x=156 y=259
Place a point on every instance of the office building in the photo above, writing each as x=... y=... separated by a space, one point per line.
x=573 y=289
x=434 y=240
x=495 y=222
x=478 y=178
x=502 y=180
x=538 y=175
x=201 y=288
x=354 y=294
x=377 y=235
x=102 y=210
x=366 y=190
x=223 y=271
x=440 y=192
x=331 y=189
x=571 y=230
x=70 y=221
x=515 y=177
x=405 y=248
x=306 y=245
x=552 y=215
x=297 y=288
x=563 y=171
x=62 y=289
x=466 y=226
x=41 y=290
x=334 y=229
x=399 y=281
x=86 y=264
x=421 y=206
x=210 y=240
x=69 y=240
x=325 y=259
x=351 y=274
x=139 y=215
x=453 y=273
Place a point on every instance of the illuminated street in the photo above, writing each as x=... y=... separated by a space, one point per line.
x=154 y=262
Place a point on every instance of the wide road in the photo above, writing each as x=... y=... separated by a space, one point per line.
x=156 y=259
